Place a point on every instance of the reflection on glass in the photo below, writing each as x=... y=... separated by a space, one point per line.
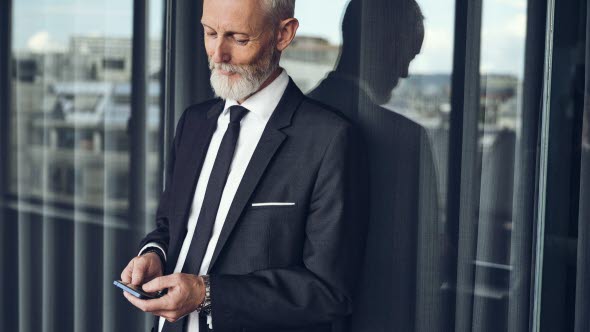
x=497 y=281
x=76 y=102
x=402 y=285
x=392 y=76
x=70 y=147
x=565 y=283
x=155 y=106
x=379 y=42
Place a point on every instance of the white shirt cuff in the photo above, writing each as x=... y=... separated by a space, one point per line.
x=153 y=245
x=210 y=321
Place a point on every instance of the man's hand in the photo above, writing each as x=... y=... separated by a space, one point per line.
x=185 y=293
x=142 y=269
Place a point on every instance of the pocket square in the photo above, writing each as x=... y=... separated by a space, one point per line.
x=274 y=204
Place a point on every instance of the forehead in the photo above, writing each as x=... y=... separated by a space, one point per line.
x=232 y=15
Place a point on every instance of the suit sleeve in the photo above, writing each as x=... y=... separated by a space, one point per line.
x=160 y=235
x=320 y=289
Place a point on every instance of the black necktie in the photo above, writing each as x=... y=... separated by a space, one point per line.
x=210 y=206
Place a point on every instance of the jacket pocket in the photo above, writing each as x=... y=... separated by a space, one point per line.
x=277 y=205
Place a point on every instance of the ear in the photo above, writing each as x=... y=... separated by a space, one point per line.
x=286 y=33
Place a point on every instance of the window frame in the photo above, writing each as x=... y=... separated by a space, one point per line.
x=6 y=309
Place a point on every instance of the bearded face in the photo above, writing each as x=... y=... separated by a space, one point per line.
x=244 y=41
x=243 y=80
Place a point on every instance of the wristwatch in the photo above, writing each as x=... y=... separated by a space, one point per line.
x=205 y=306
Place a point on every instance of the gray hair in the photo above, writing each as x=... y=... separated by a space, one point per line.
x=279 y=10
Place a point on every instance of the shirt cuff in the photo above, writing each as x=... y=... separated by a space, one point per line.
x=210 y=321
x=153 y=245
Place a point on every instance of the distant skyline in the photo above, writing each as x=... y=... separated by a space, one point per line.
x=41 y=25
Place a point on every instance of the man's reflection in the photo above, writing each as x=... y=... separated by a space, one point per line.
x=401 y=284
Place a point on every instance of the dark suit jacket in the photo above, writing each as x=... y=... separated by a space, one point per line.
x=277 y=267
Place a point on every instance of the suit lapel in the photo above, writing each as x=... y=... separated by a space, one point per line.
x=269 y=143
x=198 y=141
x=190 y=163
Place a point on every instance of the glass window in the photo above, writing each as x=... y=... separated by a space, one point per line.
x=445 y=248
x=564 y=286
x=384 y=66
x=70 y=153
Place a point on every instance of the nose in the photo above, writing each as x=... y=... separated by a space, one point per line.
x=220 y=51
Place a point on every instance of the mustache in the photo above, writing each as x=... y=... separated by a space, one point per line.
x=227 y=67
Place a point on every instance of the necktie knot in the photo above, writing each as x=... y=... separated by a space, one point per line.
x=236 y=113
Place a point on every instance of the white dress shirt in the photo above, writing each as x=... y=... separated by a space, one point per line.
x=261 y=106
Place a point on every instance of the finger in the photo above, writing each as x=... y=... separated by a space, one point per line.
x=160 y=304
x=139 y=303
x=139 y=269
x=133 y=300
x=126 y=274
x=160 y=283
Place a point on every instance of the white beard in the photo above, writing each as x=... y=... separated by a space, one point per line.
x=239 y=89
x=251 y=77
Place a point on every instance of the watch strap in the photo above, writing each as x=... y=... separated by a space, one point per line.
x=205 y=306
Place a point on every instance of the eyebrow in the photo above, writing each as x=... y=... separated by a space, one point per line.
x=228 y=32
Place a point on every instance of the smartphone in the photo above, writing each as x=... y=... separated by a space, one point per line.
x=137 y=291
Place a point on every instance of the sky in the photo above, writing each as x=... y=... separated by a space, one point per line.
x=41 y=25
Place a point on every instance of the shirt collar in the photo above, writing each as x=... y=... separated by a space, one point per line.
x=263 y=102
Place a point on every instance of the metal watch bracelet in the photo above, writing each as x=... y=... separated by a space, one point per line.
x=205 y=306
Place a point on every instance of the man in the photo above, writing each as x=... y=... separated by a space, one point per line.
x=402 y=273
x=261 y=225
